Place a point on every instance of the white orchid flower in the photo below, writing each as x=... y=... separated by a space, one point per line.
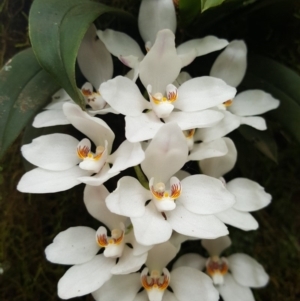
x=249 y=195
x=187 y=284
x=230 y=66
x=63 y=162
x=186 y=105
x=186 y=206
x=233 y=276
x=78 y=246
x=95 y=63
x=155 y=15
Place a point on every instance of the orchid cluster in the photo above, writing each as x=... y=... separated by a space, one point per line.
x=172 y=120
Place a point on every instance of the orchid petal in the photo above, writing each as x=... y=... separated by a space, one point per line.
x=138 y=249
x=231 y=64
x=129 y=198
x=94 y=60
x=203 y=46
x=40 y=180
x=142 y=127
x=161 y=65
x=247 y=271
x=94 y=128
x=253 y=102
x=201 y=93
x=58 y=99
x=119 y=43
x=232 y=291
x=205 y=195
x=85 y=278
x=50 y=118
x=189 y=284
x=256 y=122
x=166 y=153
x=216 y=246
x=94 y=200
x=52 y=152
x=191 y=260
x=194 y=120
x=155 y=15
x=238 y=219
x=195 y=225
x=151 y=228
x=99 y=178
x=250 y=196
x=128 y=262
x=127 y=155
x=205 y=150
x=160 y=255
x=142 y=296
x=229 y=123
x=124 y=96
x=218 y=166
x=182 y=78
x=73 y=246
x=123 y=288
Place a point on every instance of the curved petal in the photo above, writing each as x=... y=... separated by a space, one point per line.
x=142 y=127
x=203 y=46
x=229 y=123
x=124 y=96
x=161 y=65
x=205 y=195
x=52 y=152
x=250 y=196
x=232 y=291
x=160 y=255
x=231 y=64
x=94 y=200
x=151 y=228
x=247 y=271
x=191 y=260
x=194 y=120
x=119 y=287
x=256 y=122
x=166 y=153
x=155 y=15
x=93 y=127
x=50 y=118
x=253 y=102
x=128 y=262
x=94 y=60
x=216 y=246
x=129 y=198
x=127 y=155
x=241 y=220
x=205 y=150
x=138 y=249
x=73 y=246
x=218 y=166
x=189 y=284
x=85 y=278
x=99 y=178
x=58 y=99
x=40 y=180
x=119 y=43
x=201 y=93
x=195 y=225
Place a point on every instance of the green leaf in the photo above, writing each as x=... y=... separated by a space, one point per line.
x=24 y=89
x=188 y=10
x=283 y=83
x=207 y=4
x=262 y=140
x=56 y=28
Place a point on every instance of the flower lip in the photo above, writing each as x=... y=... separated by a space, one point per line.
x=216 y=268
x=156 y=283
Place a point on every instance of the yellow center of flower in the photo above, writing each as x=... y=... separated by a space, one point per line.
x=91 y=96
x=156 y=280
x=216 y=268
x=158 y=98
x=228 y=103
x=159 y=191
x=116 y=238
x=84 y=152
